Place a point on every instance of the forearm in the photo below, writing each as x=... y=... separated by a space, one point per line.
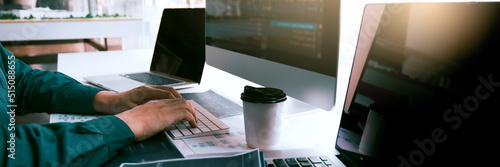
x=90 y=143
x=51 y=92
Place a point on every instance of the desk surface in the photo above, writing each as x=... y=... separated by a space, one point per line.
x=316 y=129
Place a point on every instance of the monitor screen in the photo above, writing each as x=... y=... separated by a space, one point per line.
x=303 y=35
x=425 y=92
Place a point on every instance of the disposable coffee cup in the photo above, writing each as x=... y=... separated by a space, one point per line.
x=262 y=110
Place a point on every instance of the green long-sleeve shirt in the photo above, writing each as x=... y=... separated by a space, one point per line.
x=90 y=143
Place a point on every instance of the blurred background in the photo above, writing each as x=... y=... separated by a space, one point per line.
x=37 y=30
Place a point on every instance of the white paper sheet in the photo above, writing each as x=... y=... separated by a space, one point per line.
x=54 y=118
x=232 y=142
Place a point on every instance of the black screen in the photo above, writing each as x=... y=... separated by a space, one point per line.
x=303 y=34
x=180 y=45
x=428 y=89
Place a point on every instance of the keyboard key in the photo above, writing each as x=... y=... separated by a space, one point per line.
x=328 y=163
x=207 y=125
x=315 y=160
x=324 y=158
x=279 y=163
x=213 y=127
x=302 y=159
x=179 y=125
x=291 y=162
x=152 y=79
x=217 y=122
x=306 y=164
x=195 y=130
x=223 y=126
x=171 y=127
x=185 y=131
x=204 y=129
x=203 y=119
x=312 y=161
x=176 y=132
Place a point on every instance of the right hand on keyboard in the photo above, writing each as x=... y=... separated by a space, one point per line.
x=152 y=117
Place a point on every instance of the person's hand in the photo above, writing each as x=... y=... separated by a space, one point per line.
x=108 y=102
x=148 y=119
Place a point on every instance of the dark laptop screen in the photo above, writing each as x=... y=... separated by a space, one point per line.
x=425 y=93
x=180 y=45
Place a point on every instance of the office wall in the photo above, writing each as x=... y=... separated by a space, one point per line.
x=150 y=11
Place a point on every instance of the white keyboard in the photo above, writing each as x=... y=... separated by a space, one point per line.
x=208 y=124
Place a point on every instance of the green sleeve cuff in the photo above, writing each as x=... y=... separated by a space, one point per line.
x=116 y=133
x=90 y=143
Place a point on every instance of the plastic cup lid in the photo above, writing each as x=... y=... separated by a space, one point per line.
x=263 y=95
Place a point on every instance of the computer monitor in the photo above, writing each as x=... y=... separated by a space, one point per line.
x=290 y=45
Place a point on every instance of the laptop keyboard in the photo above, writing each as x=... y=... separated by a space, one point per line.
x=208 y=124
x=152 y=79
x=300 y=162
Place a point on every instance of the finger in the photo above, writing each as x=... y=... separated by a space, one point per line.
x=191 y=119
x=154 y=93
x=145 y=93
x=169 y=89
x=184 y=114
x=193 y=112
x=182 y=107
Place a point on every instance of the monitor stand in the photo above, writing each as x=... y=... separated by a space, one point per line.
x=294 y=107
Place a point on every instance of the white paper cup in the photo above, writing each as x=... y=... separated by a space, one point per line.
x=262 y=124
x=262 y=110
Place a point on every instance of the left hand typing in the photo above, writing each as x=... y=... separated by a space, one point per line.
x=108 y=102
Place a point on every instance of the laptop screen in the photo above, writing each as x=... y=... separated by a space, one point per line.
x=180 y=44
x=423 y=86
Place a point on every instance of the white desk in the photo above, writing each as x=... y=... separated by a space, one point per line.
x=316 y=129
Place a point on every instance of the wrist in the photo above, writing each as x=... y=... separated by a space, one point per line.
x=103 y=101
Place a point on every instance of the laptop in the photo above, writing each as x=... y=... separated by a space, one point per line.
x=178 y=57
x=421 y=88
x=422 y=92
